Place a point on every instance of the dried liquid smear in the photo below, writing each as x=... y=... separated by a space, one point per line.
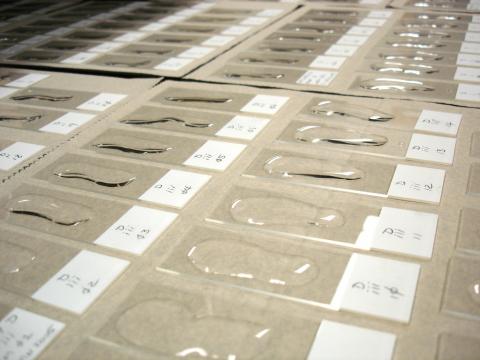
x=246 y=261
x=474 y=291
x=167 y=327
x=14 y=258
x=281 y=212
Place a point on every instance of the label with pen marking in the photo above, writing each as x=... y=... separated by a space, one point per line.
x=174 y=64
x=352 y=40
x=468 y=59
x=417 y=183
x=405 y=232
x=136 y=230
x=265 y=104
x=439 y=122
x=361 y=30
x=215 y=155
x=341 y=50
x=16 y=153
x=101 y=101
x=328 y=62
x=81 y=281
x=243 y=127
x=317 y=77
x=175 y=188
x=379 y=287
x=468 y=92
x=432 y=148
x=67 y=123
x=24 y=334
x=467 y=74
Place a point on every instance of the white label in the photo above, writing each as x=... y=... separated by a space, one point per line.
x=35 y=39
x=153 y=27
x=472 y=36
x=172 y=19
x=243 y=127
x=439 y=122
x=475 y=19
x=187 y=12
x=82 y=23
x=76 y=286
x=105 y=47
x=468 y=47
x=16 y=153
x=467 y=74
x=27 y=80
x=417 y=183
x=136 y=230
x=382 y=14
x=4 y=91
x=370 y=2
x=405 y=232
x=218 y=40
x=101 y=102
x=173 y=64
x=265 y=104
x=175 y=188
x=79 y=58
x=215 y=155
x=130 y=36
x=270 y=12
x=60 y=31
x=378 y=287
x=361 y=30
x=474 y=27
x=67 y=123
x=328 y=62
x=102 y=16
x=196 y=52
x=336 y=341
x=468 y=92
x=202 y=6
x=431 y=148
x=372 y=22
x=236 y=30
x=254 y=20
x=317 y=77
x=341 y=50
x=24 y=335
x=468 y=59
x=352 y=40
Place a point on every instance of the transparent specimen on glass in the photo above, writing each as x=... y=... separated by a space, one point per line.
x=170 y=327
x=247 y=261
x=316 y=134
x=280 y=211
x=293 y=166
